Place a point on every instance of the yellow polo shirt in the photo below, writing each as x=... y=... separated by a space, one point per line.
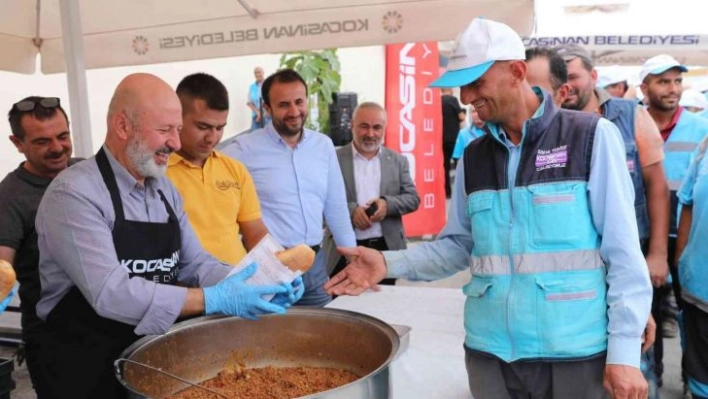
x=216 y=198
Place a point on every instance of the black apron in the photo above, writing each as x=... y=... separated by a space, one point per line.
x=85 y=345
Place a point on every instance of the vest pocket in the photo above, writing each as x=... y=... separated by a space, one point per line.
x=572 y=314
x=556 y=219
x=479 y=209
x=484 y=313
x=477 y=287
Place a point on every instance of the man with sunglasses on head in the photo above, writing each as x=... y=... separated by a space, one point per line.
x=40 y=131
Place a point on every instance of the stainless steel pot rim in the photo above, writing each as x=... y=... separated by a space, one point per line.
x=390 y=331
x=317 y=312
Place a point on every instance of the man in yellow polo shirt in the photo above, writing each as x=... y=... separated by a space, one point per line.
x=219 y=195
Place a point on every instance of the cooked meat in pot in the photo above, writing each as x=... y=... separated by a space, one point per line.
x=270 y=382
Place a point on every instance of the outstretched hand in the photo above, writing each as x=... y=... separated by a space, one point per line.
x=366 y=268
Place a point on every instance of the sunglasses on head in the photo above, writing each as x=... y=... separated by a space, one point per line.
x=30 y=105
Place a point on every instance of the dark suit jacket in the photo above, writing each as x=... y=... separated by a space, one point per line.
x=396 y=187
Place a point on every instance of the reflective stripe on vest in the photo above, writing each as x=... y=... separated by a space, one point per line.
x=680 y=146
x=675 y=185
x=550 y=315
x=537 y=262
x=688 y=132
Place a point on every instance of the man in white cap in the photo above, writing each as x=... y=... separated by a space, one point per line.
x=614 y=81
x=560 y=294
x=662 y=85
x=693 y=101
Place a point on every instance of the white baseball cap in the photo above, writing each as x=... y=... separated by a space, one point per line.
x=475 y=50
x=700 y=85
x=609 y=76
x=659 y=64
x=693 y=98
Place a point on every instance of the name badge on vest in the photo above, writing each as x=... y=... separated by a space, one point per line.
x=553 y=158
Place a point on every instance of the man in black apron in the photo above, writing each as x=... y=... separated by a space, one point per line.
x=97 y=299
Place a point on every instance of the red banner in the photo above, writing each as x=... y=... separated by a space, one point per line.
x=414 y=129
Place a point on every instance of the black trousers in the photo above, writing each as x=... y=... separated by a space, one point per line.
x=377 y=243
x=491 y=378
x=448 y=148
x=34 y=350
x=695 y=358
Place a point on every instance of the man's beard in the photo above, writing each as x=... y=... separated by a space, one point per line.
x=143 y=159
x=657 y=103
x=284 y=130
x=370 y=146
x=580 y=101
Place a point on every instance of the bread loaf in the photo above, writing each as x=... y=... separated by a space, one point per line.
x=7 y=278
x=299 y=257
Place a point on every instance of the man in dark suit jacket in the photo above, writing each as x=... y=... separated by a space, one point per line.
x=379 y=187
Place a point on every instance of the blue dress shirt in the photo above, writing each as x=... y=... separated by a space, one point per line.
x=296 y=186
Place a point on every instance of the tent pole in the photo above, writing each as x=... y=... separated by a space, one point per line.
x=72 y=38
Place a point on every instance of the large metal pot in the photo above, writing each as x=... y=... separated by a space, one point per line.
x=199 y=348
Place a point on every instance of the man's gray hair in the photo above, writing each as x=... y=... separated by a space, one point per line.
x=370 y=105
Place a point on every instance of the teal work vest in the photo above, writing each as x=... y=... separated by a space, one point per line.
x=683 y=140
x=538 y=287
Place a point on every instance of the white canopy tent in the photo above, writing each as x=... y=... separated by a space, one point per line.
x=626 y=32
x=73 y=35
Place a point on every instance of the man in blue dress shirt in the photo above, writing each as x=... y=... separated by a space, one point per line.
x=297 y=178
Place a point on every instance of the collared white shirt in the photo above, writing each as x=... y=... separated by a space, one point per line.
x=367 y=180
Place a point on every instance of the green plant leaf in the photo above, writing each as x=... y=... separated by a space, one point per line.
x=326 y=91
x=331 y=56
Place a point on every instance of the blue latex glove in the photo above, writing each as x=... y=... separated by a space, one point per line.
x=233 y=297
x=294 y=292
x=4 y=303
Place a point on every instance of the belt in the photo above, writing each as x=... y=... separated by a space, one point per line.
x=369 y=241
x=315 y=248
